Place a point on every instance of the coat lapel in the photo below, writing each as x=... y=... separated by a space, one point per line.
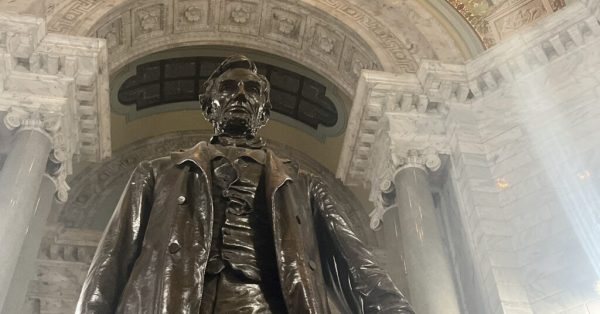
x=200 y=155
x=276 y=173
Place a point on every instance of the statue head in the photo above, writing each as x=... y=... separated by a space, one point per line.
x=236 y=98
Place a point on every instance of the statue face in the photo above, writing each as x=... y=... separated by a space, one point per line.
x=239 y=102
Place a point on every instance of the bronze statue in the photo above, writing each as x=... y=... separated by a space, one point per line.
x=229 y=227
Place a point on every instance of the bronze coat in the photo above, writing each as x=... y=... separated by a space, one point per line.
x=153 y=254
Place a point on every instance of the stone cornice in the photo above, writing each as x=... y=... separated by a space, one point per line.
x=406 y=109
x=410 y=101
x=62 y=81
x=526 y=51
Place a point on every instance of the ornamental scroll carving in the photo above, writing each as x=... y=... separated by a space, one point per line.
x=427 y=160
x=49 y=124
x=512 y=15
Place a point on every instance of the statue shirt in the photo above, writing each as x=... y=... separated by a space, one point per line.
x=242 y=235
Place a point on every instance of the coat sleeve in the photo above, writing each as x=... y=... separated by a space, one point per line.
x=369 y=282
x=119 y=247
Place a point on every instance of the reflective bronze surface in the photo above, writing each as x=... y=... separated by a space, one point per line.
x=228 y=227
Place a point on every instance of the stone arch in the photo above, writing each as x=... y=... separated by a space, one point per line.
x=332 y=37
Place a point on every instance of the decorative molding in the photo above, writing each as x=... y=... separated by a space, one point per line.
x=511 y=16
x=71 y=15
x=283 y=27
x=523 y=53
x=287 y=25
x=326 y=41
x=292 y=30
x=113 y=33
x=407 y=110
x=148 y=21
x=57 y=85
x=495 y=22
x=399 y=49
x=192 y=15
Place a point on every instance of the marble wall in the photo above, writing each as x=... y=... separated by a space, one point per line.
x=540 y=134
x=520 y=205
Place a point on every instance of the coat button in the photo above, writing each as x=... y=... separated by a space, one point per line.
x=174 y=247
x=312 y=265
x=181 y=200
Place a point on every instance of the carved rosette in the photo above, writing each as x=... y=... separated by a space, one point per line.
x=240 y=15
x=50 y=125
x=192 y=14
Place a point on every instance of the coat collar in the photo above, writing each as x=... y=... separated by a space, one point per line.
x=202 y=153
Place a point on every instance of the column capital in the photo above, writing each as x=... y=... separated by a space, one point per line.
x=426 y=159
x=398 y=121
x=382 y=182
x=56 y=85
x=411 y=107
x=50 y=125
x=18 y=118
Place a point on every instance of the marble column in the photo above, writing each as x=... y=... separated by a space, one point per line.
x=25 y=271
x=20 y=182
x=429 y=272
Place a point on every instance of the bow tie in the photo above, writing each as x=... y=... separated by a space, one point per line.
x=225 y=140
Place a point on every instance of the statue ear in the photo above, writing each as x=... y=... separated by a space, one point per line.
x=205 y=98
x=265 y=115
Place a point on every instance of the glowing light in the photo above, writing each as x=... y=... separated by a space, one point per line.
x=502 y=184
x=584 y=175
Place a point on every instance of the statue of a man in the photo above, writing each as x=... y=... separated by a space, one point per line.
x=229 y=227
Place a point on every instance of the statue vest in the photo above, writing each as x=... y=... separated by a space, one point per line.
x=241 y=270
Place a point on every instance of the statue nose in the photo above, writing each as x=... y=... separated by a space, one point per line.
x=241 y=88
x=241 y=92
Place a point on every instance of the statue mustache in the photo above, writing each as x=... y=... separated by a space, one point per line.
x=239 y=104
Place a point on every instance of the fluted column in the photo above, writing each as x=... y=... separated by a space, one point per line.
x=428 y=268
x=20 y=182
